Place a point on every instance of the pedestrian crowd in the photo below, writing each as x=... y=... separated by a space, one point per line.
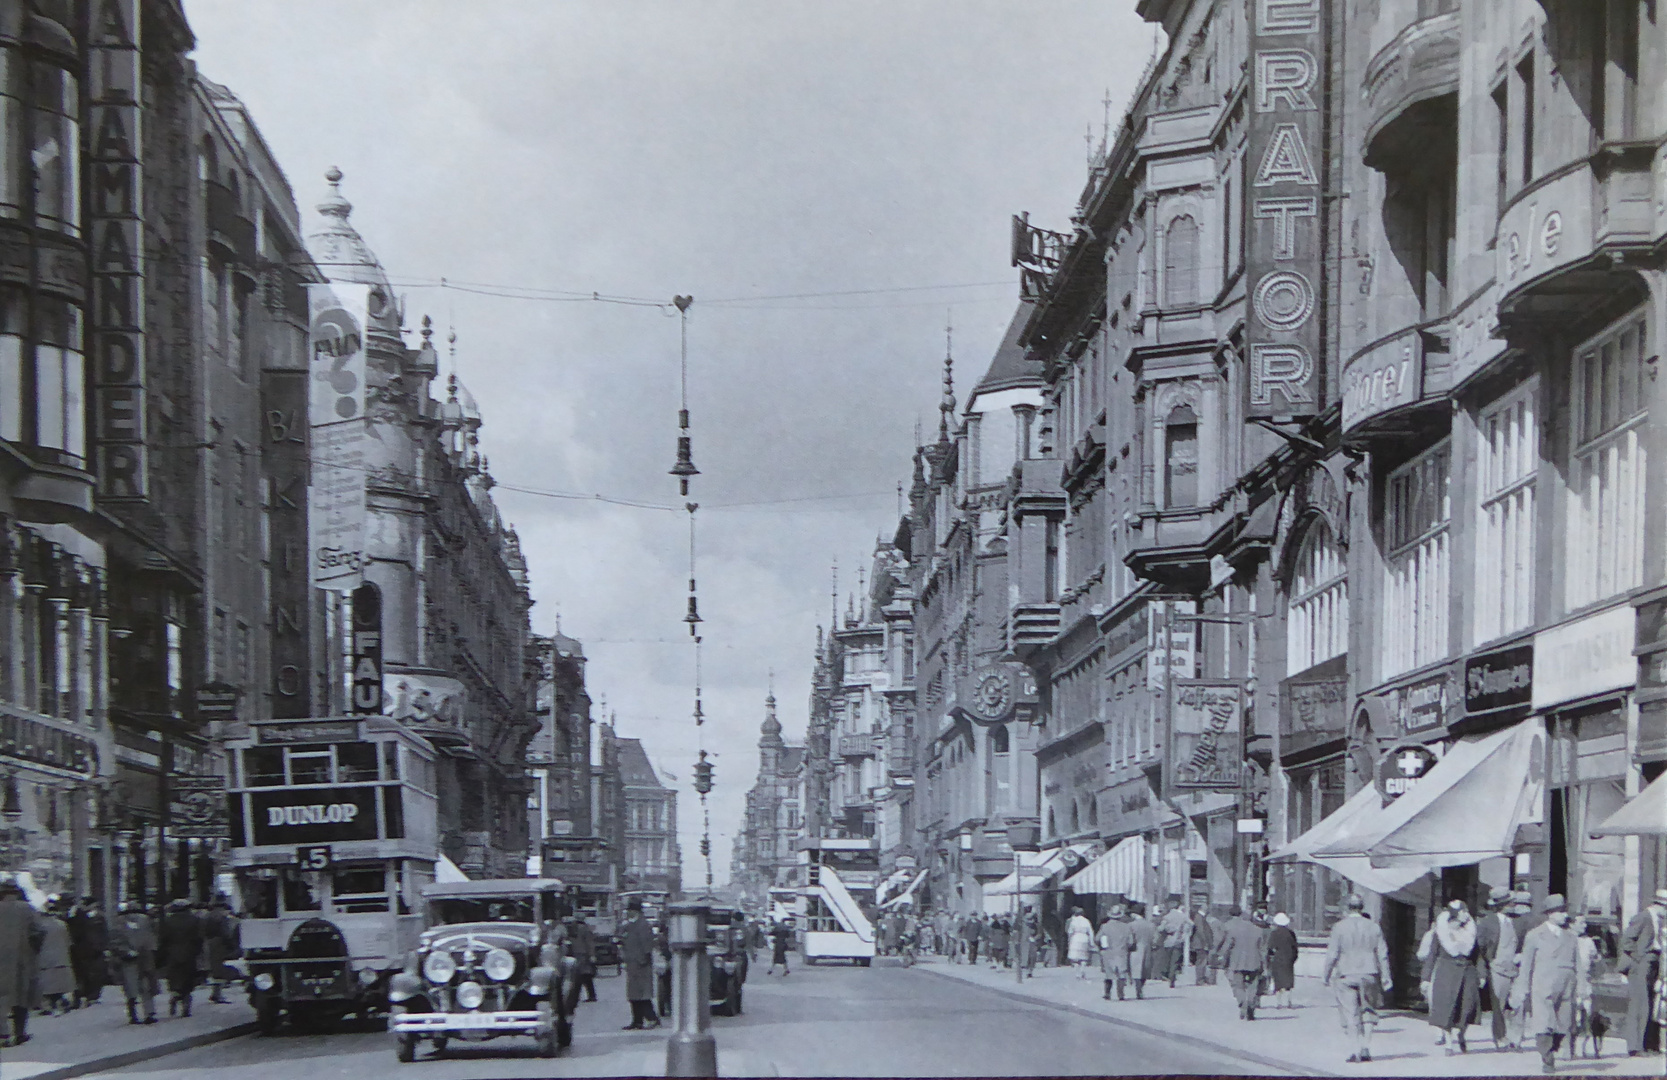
x=61 y=958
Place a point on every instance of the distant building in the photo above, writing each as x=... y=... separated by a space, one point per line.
x=763 y=855
x=558 y=757
x=653 y=860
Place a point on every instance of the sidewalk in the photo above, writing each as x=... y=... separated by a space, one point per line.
x=99 y=1038
x=1306 y=1040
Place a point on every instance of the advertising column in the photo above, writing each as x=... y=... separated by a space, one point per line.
x=336 y=416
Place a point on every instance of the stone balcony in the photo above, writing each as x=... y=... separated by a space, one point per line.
x=856 y=746
x=1032 y=626
x=1419 y=64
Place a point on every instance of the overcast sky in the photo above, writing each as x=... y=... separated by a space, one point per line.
x=725 y=150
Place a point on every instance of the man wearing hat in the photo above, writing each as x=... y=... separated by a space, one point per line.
x=1545 y=982
x=1498 y=940
x=1116 y=942
x=636 y=949
x=1357 y=958
x=1640 y=962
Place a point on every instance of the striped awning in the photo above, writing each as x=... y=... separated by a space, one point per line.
x=1120 y=870
x=1038 y=867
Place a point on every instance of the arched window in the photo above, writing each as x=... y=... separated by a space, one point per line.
x=1076 y=818
x=1093 y=813
x=1053 y=824
x=1180 y=262
x=998 y=739
x=1180 y=457
x=1317 y=623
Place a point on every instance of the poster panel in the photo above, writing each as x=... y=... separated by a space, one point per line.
x=336 y=416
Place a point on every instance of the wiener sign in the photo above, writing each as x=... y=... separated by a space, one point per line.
x=313 y=815
x=115 y=199
x=1284 y=245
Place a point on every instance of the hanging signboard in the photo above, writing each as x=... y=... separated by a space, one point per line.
x=1401 y=769
x=336 y=416
x=1205 y=735
x=1285 y=233
x=1502 y=679
x=197 y=807
x=115 y=200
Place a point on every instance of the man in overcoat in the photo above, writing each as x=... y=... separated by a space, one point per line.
x=1173 y=930
x=1241 y=949
x=1545 y=990
x=1140 y=956
x=133 y=949
x=1640 y=961
x=1202 y=941
x=1498 y=941
x=180 y=946
x=1116 y=942
x=21 y=936
x=636 y=949
x=88 y=938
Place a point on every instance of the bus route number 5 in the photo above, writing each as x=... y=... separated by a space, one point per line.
x=313 y=856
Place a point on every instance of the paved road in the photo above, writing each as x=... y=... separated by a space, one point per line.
x=821 y=1021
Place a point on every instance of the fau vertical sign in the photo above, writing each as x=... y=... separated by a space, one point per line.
x=115 y=201
x=1285 y=246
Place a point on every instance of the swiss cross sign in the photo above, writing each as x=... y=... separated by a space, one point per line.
x=1403 y=767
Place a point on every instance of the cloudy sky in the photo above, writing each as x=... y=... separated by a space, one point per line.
x=832 y=182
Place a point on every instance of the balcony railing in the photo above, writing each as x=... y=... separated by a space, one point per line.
x=856 y=745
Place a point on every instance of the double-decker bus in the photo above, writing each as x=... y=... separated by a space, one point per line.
x=837 y=901
x=334 y=832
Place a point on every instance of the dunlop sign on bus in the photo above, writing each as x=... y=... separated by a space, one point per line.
x=1285 y=242
x=313 y=815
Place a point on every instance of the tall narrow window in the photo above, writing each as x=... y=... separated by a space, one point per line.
x=60 y=379
x=1051 y=575
x=1606 y=477
x=1502 y=146
x=12 y=93
x=1615 y=63
x=1180 y=262
x=1418 y=510
x=1317 y=628
x=11 y=363
x=1508 y=460
x=1525 y=79
x=1180 y=457
x=55 y=149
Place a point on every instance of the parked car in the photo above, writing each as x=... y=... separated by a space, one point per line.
x=726 y=947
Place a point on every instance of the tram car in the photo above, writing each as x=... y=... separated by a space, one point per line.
x=334 y=834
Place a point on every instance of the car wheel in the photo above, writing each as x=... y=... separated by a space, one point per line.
x=269 y=1016
x=406 y=1048
x=440 y=1044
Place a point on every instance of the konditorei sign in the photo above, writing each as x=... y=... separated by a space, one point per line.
x=1385 y=377
x=1498 y=680
x=1585 y=657
x=1285 y=234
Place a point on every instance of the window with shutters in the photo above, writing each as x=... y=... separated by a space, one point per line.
x=1606 y=475
x=1317 y=622
x=1416 y=574
x=1507 y=462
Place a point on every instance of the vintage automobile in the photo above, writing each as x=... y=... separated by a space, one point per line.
x=492 y=962
x=726 y=946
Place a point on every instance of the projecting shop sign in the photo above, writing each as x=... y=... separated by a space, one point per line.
x=1206 y=735
x=1284 y=246
x=115 y=199
x=336 y=415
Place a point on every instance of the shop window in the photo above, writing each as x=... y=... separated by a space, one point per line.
x=1586 y=767
x=1310 y=894
x=1508 y=459
x=1606 y=473
x=1180 y=262
x=1417 y=512
x=1317 y=626
x=1180 y=457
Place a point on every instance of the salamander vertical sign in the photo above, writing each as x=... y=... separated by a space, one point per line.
x=336 y=417
x=115 y=201
x=1284 y=250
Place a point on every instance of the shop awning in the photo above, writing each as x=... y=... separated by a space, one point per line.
x=1467 y=808
x=1346 y=825
x=1038 y=867
x=907 y=896
x=1120 y=870
x=447 y=871
x=1645 y=814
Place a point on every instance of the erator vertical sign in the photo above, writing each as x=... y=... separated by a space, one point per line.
x=367 y=649
x=115 y=199
x=1284 y=250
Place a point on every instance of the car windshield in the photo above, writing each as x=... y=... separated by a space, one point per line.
x=469 y=909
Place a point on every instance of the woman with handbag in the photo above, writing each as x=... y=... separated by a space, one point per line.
x=1455 y=977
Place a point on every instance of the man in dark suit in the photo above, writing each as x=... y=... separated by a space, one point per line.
x=1640 y=962
x=1242 y=950
x=1498 y=940
x=636 y=949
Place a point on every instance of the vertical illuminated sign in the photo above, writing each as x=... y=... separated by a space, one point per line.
x=336 y=417
x=284 y=398
x=115 y=200
x=366 y=649
x=1285 y=247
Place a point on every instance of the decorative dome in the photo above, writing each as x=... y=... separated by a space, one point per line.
x=771 y=728
x=342 y=253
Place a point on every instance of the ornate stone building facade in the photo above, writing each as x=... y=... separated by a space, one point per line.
x=653 y=859
x=763 y=856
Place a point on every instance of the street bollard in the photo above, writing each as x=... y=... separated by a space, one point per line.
x=691 y=1050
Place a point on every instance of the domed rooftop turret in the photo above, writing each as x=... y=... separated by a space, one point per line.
x=771 y=727
x=343 y=255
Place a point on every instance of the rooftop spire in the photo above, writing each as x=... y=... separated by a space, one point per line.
x=946 y=407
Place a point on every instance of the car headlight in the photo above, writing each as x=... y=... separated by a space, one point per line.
x=367 y=977
x=439 y=967
x=499 y=965
x=470 y=995
x=265 y=981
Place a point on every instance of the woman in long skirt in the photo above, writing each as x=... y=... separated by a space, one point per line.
x=1282 y=960
x=1455 y=978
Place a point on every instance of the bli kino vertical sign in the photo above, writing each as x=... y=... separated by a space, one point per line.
x=115 y=199
x=1284 y=250
x=367 y=649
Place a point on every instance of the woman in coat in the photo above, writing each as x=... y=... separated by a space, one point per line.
x=57 y=978
x=1079 y=939
x=1455 y=977
x=1282 y=960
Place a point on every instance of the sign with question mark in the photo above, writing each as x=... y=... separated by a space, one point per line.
x=338 y=316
